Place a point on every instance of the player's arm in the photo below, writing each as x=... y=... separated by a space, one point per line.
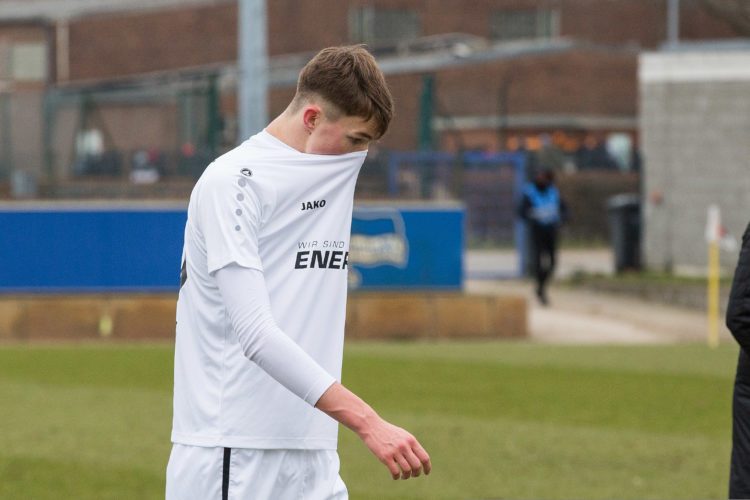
x=246 y=299
x=395 y=448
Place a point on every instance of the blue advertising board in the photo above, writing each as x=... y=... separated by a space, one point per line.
x=407 y=247
x=59 y=248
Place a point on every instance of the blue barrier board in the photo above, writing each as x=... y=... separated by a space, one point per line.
x=115 y=249
x=418 y=247
x=91 y=250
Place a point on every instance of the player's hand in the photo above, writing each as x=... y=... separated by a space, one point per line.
x=396 y=449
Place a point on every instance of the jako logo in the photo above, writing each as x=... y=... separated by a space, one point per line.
x=311 y=205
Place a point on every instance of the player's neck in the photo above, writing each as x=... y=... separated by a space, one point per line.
x=288 y=129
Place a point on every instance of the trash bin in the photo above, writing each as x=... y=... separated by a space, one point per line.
x=625 y=230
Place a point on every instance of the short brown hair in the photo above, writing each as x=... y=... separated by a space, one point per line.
x=348 y=78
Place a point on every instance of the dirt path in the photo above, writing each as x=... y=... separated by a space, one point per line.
x=575 y=316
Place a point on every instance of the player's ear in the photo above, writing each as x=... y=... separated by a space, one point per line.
x=311 y=116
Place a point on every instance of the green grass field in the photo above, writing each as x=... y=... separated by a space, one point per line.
x=500 y=419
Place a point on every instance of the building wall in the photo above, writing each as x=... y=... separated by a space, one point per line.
x=110 y=46
x=21 y=101
x=694 y=125
x=590 y=83
x=642 y=22
x=522 y=95
x=572 y=89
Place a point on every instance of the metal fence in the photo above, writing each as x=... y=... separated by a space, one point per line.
x=488 y=184
x=55 y=142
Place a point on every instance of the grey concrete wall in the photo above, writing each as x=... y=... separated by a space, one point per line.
x=695 y=137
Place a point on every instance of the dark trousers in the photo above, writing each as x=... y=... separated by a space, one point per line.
x=739 y=475
x=543 y=242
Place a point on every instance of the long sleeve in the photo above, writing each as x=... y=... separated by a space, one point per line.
x=246 y=299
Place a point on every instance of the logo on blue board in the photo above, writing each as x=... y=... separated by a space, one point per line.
x=378 y=239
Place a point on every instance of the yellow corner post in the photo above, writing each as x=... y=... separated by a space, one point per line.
x=713 y=293
x=713 y=237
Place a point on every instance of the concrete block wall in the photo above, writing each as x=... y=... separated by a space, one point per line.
x=435 y=316
x=695 y=131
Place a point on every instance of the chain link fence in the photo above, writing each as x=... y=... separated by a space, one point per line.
x=153 y=138
x=123 y=140
x=488 y=184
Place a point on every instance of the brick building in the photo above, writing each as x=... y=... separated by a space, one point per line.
x=476 y=74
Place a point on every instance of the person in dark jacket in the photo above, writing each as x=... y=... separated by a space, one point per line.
x=543 y=210
x=738 y=322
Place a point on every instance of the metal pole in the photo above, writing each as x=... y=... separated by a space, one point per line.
x=212 y=130
x=713 y=293
x=49 y=118
x=253 y=68
x=425 y=136
x=673 y=22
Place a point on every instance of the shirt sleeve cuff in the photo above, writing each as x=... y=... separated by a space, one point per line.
x=318 y=388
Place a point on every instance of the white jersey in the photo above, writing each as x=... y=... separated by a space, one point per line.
x=265 y=206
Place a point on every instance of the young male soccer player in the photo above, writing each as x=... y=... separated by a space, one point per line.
x=261 y=309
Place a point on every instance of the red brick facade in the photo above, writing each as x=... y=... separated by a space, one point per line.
x=106 y=47
x=595 y=82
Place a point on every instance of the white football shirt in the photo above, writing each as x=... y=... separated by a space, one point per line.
x=264 y=206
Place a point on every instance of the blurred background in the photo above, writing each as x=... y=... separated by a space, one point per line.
x=130 y=100
x=110 y=111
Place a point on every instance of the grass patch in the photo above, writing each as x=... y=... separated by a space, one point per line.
x=500 y=419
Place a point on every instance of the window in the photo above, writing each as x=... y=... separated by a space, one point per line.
x=28 y=62
x=517 y=24
x=375 y=26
